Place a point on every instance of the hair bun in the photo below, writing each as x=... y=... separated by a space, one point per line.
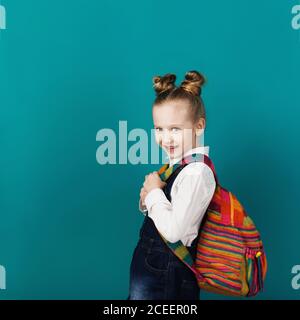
x=165 y=83
x=193 y=82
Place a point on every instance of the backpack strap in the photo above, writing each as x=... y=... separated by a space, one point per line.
x=165 y=171
x=178 y=248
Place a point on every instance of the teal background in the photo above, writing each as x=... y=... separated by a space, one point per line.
x=70 y=68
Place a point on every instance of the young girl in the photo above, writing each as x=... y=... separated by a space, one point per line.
x=176 y=207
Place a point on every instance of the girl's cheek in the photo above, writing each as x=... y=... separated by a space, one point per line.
x=157 y=138
x=188 y=137
x=178 y=138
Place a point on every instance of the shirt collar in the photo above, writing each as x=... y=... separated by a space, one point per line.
x=201 y=149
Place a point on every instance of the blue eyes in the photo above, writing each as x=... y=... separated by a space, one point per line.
x=174 y=129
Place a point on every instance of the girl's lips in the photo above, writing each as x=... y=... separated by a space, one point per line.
x=171 y=149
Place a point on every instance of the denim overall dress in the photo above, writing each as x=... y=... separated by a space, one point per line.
x=156 y=273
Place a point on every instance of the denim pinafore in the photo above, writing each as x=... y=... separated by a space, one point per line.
x=155 y=272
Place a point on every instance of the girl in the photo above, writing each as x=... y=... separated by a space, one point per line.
x=176 y=207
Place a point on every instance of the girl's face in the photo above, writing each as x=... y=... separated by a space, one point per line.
x=175 y=131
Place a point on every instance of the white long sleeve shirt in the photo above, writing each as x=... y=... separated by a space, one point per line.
x=191 y=193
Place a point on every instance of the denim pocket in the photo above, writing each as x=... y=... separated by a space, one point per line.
x=157 y=261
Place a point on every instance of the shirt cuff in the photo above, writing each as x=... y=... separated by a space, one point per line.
x=154 y=196
x=142 y=208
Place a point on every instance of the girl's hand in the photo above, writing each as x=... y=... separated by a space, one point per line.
x=153 y=181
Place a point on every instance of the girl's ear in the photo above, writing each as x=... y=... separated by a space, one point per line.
x=200 y=125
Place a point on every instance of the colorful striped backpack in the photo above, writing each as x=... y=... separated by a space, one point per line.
x=230 y=257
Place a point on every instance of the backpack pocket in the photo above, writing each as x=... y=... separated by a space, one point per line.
x=255 y=261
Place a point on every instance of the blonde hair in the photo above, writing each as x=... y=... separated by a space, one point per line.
x=189 y=90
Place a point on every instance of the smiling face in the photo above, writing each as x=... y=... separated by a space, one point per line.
x=175 y=131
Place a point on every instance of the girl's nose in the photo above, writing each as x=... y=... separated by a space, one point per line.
x=167 y=137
